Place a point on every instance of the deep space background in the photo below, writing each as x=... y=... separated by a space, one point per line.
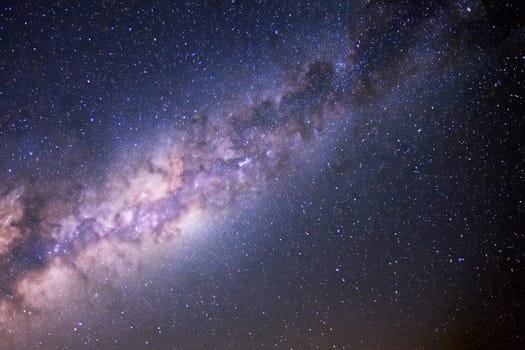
x=262 y=174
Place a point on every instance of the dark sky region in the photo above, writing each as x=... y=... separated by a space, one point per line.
x=262 y=175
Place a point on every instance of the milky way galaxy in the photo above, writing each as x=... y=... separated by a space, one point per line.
x=269 y=175
x=146 y=199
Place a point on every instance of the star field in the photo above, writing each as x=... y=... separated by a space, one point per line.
x=257 y=175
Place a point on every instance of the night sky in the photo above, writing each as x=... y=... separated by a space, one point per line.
x=262 y=175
